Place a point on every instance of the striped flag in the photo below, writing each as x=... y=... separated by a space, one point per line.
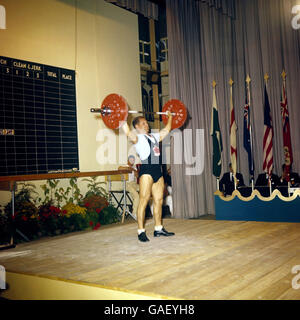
x=216 y=137
x=268 y=137
x=233 y=128
x=248 y=131
x=287 y=143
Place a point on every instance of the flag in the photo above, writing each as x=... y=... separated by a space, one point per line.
x=233 y=128
x=268 y=137
x=216 y=138
x=287 y=143
x=248 y=133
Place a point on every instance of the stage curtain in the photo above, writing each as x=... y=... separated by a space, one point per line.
x=144 y=7
x=206 y=45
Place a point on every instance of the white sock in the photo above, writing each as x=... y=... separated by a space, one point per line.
x=158 y=228
x=140 y=231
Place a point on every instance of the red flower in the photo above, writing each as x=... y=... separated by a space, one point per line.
x=54 y=210
x=97 y=226
x=91 y=223
x=87 y=204
x=98 y=210
x=65 y=212
x=24 y=218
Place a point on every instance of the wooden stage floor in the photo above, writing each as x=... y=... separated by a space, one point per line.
x=206 y=259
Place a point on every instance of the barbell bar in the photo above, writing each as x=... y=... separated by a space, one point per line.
x=114 y=111
x=107 y=110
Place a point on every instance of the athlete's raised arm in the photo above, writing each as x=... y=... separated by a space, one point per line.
x=165 y=131
x=129 y=133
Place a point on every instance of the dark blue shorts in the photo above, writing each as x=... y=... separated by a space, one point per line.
x=154 y=170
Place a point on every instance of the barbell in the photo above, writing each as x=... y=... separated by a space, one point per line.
x=114 y=111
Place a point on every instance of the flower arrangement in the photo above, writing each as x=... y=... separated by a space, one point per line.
x=24 y=218
x=109 y=215
x=50 y=218
x=73 y=217
x=71 y=208
x=95 y=202
x=5 y=228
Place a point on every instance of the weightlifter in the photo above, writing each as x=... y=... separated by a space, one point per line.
x=151 y=180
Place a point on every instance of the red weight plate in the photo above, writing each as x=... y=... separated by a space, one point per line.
x=118 y=111
x=175 y=106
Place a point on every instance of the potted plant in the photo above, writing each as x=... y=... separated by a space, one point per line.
x=24 y=218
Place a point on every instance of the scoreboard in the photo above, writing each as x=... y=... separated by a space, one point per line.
x=38 y=123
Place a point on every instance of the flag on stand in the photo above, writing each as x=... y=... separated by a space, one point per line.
x=233 y=128
x=268 y=137
x=287 y=143
x=248 y=131
x=216 y=136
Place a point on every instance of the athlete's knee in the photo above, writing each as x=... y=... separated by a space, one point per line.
x=144 y=199
x=158 y=201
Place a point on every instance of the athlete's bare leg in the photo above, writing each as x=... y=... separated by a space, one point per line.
x=145 y=183
x=157 y=194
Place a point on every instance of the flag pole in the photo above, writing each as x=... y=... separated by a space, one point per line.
x=283 y=76
x=214 y=84
x=266 y=77
x=248 y=80
x=216 y=135
x=233 y=155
